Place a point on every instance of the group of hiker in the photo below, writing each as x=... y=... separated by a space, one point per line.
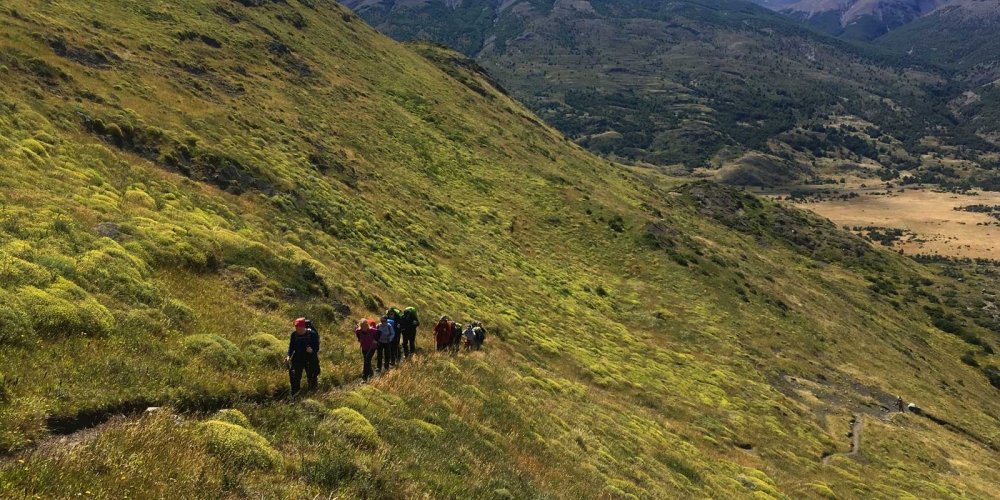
x=384 y=343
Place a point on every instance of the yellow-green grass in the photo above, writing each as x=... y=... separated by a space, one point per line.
x=637 y=348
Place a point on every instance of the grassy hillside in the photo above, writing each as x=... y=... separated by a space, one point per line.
x=182 y=180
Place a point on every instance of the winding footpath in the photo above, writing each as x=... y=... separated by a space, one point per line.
x=857 y=423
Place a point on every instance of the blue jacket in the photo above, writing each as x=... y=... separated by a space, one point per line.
x=387 y=332
x=298 y=344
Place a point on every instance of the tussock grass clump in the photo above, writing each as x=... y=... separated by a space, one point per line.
x=313 y=407
x=213 y=349
x=17 y=272
x=370 y=398
x=417 y=429
x=65 y=309
x=232 y=416
x=265 y=349
x=14 y=322
x=179 y=314
x=352 y=426
x=239 y=447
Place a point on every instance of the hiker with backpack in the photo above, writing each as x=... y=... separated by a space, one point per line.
x=369 y=344
x=408 y=324
x=303 y=355
x=385 y=336
x=480 y=332
x=394 y=351
x=470 y=337
x=456 y=336
x=442 y=333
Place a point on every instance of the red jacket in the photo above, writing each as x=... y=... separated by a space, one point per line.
x=443 y=332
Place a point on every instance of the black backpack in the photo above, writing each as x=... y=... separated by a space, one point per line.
x=310 y=326
x=409 y=319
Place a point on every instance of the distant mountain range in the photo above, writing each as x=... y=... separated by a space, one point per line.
x=702 y=83
x=857 y=19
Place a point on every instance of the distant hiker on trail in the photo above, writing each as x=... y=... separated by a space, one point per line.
x=480 y=335
x=408 y=327
x=303 y=355
x=456 y=336
x=394 y=352
x=442 y=333
x=366 y=337
x=470 y=337
x=386 y=333
x=900 y=405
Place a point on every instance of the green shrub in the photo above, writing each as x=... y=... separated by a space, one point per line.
x=503 y=494
x=239 y=447
x=114 y=271
x=266 y=350
x=969 y=358
x=351 y=425
x=421 y=429
x=35 y=147
x=65 y=309
x=822 y=490
x=16 y=272
x=232 y=416
x=313 y=407
x=60 y=265
x=213 y=349
x=14 y=322
x=332 y=468
x=179 y=315
x=146 y=322
x=993 y=375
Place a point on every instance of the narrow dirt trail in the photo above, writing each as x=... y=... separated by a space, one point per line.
x=70 y=431
x=857 y=423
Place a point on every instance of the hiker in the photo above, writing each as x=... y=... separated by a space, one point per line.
x=408 y=327
x=386 y=333
x=410 y=323
x=456 y=336
x=442 y=333
x=303 y=355
x=394 y=351
x=366 y=337
x=480 y=335
x=470 y=337
x=899 y=404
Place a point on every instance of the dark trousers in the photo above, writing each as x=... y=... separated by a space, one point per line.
x=443 y=346
x=395 y=353
x=409 y=343
x=384 y=356
x=368 y=355
x=308 y=363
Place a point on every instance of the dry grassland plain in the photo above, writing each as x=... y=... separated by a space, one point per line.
x=937 y=227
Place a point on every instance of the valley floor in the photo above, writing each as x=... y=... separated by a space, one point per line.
x=932 y=221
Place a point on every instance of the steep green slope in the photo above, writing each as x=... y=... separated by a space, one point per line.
x=180 y=181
